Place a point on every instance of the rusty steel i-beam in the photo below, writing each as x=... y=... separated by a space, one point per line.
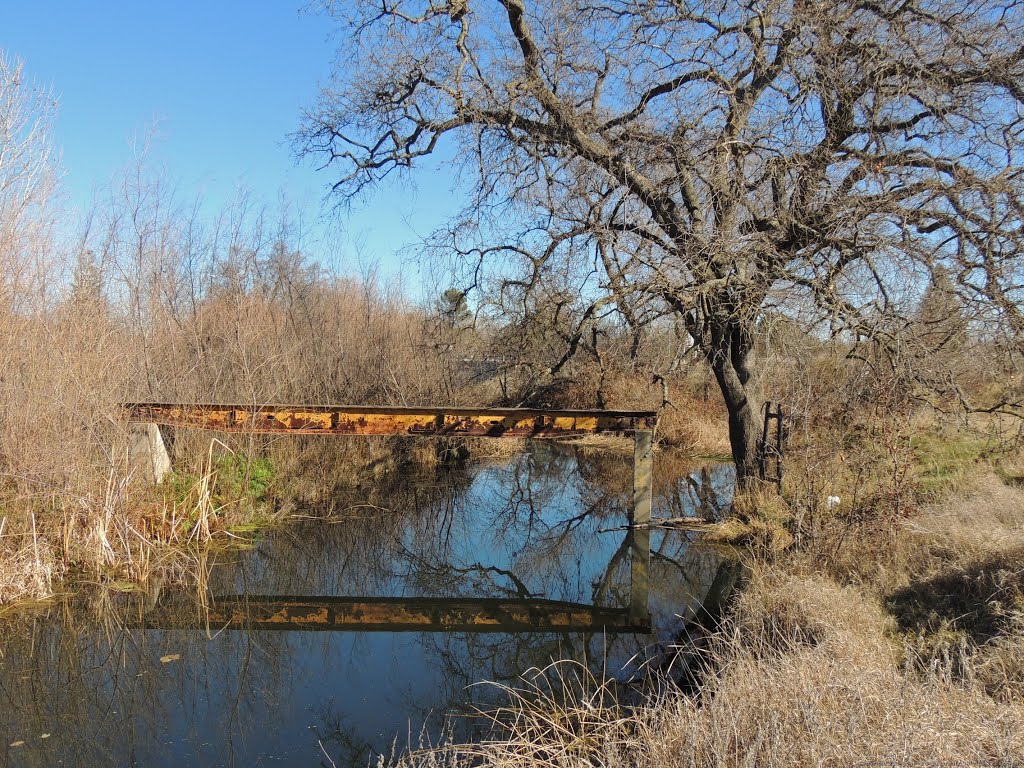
x=384 y=420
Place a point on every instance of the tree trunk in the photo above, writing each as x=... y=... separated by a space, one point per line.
x=731 y=357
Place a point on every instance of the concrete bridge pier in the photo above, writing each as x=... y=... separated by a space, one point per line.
x=147 y=452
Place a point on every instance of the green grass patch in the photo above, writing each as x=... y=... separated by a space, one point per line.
x=944 y=461
x=235 y=478
x=242 y=478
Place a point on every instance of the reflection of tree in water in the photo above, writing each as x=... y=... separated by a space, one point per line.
x=104 y=696
x=538 y=514
x=338 y=739
x=705 y=492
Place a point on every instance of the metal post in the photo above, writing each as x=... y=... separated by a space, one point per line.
x=640 y=518
x=778 y=449
x=762 y=446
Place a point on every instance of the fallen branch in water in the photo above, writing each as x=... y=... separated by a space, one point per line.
x=664 y=522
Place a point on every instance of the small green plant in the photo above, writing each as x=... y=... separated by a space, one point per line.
x=239 y=477
x=223 y=480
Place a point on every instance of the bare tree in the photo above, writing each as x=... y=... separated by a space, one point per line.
x=706 y=159
x=28 y=180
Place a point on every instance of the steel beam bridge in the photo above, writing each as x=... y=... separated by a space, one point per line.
x=147 y=449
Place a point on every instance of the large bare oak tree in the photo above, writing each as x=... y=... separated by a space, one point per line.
x=707 y=160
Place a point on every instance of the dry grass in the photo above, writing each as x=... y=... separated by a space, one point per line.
x=760 y=520
x=28 y=567
x=988 y=517
x=693 y=420
x=982 y=523
x=956 y=586
x=127 y=533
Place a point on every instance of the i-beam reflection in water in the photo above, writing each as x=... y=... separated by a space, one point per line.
x=396 y=614
x=147 y=447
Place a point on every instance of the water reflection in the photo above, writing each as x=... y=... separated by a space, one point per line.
x=328 y=613
x=514 y=542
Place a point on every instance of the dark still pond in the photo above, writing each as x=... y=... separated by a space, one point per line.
x=346 y=638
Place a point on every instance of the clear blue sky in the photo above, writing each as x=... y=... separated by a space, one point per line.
x=224 y=83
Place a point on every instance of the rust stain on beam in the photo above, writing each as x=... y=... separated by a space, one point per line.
x=383 y=420
x=401 y=615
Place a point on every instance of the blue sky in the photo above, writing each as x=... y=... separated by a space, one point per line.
x=220 y=85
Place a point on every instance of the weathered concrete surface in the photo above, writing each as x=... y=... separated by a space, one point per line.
x=147 y=452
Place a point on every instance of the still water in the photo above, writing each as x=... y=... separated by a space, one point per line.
x=519 y=544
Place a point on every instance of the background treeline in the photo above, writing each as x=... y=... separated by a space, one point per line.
x=150 y=300
x=149 y=296
x=145 y=298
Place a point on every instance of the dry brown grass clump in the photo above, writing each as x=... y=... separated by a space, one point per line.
x=983 y=524
x=124 y=532
x=955 y=584
x=693 y=420
x=759 y=520
x=810 y=676
x=28 y=567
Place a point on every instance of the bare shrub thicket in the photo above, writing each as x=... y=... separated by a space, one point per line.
x=151 y=301
x=154 y=304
